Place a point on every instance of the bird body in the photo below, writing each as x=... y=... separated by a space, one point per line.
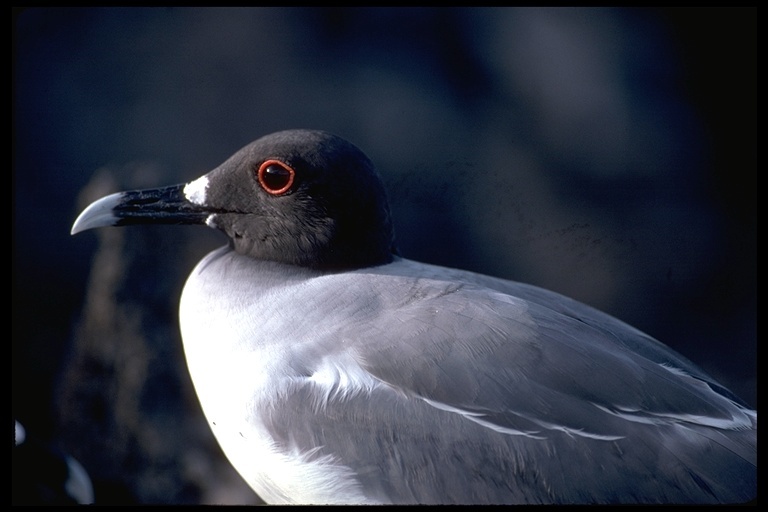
x=351 y=380
x=333 y=370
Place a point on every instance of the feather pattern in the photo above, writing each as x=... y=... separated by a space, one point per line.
x=566 y=404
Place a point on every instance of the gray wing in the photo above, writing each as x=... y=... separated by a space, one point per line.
x=487 y=397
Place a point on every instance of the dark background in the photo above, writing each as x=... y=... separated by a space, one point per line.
x=608 y=154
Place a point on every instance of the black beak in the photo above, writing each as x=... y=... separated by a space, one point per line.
x=167 y=205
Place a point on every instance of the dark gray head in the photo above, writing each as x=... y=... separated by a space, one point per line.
x=302 y=197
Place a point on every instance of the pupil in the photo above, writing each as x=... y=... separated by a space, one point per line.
x=276 y=177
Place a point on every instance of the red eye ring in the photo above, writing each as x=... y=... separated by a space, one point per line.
x=275 y=177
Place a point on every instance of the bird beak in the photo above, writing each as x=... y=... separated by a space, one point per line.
x=167 y=205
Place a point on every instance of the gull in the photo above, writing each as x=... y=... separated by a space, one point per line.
x=332 y=369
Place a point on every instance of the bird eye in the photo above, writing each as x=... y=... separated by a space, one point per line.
x=275 y=177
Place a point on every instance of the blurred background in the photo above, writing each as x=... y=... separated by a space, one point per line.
x=608 y=154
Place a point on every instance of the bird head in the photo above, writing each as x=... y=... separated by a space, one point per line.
x=301 y=197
